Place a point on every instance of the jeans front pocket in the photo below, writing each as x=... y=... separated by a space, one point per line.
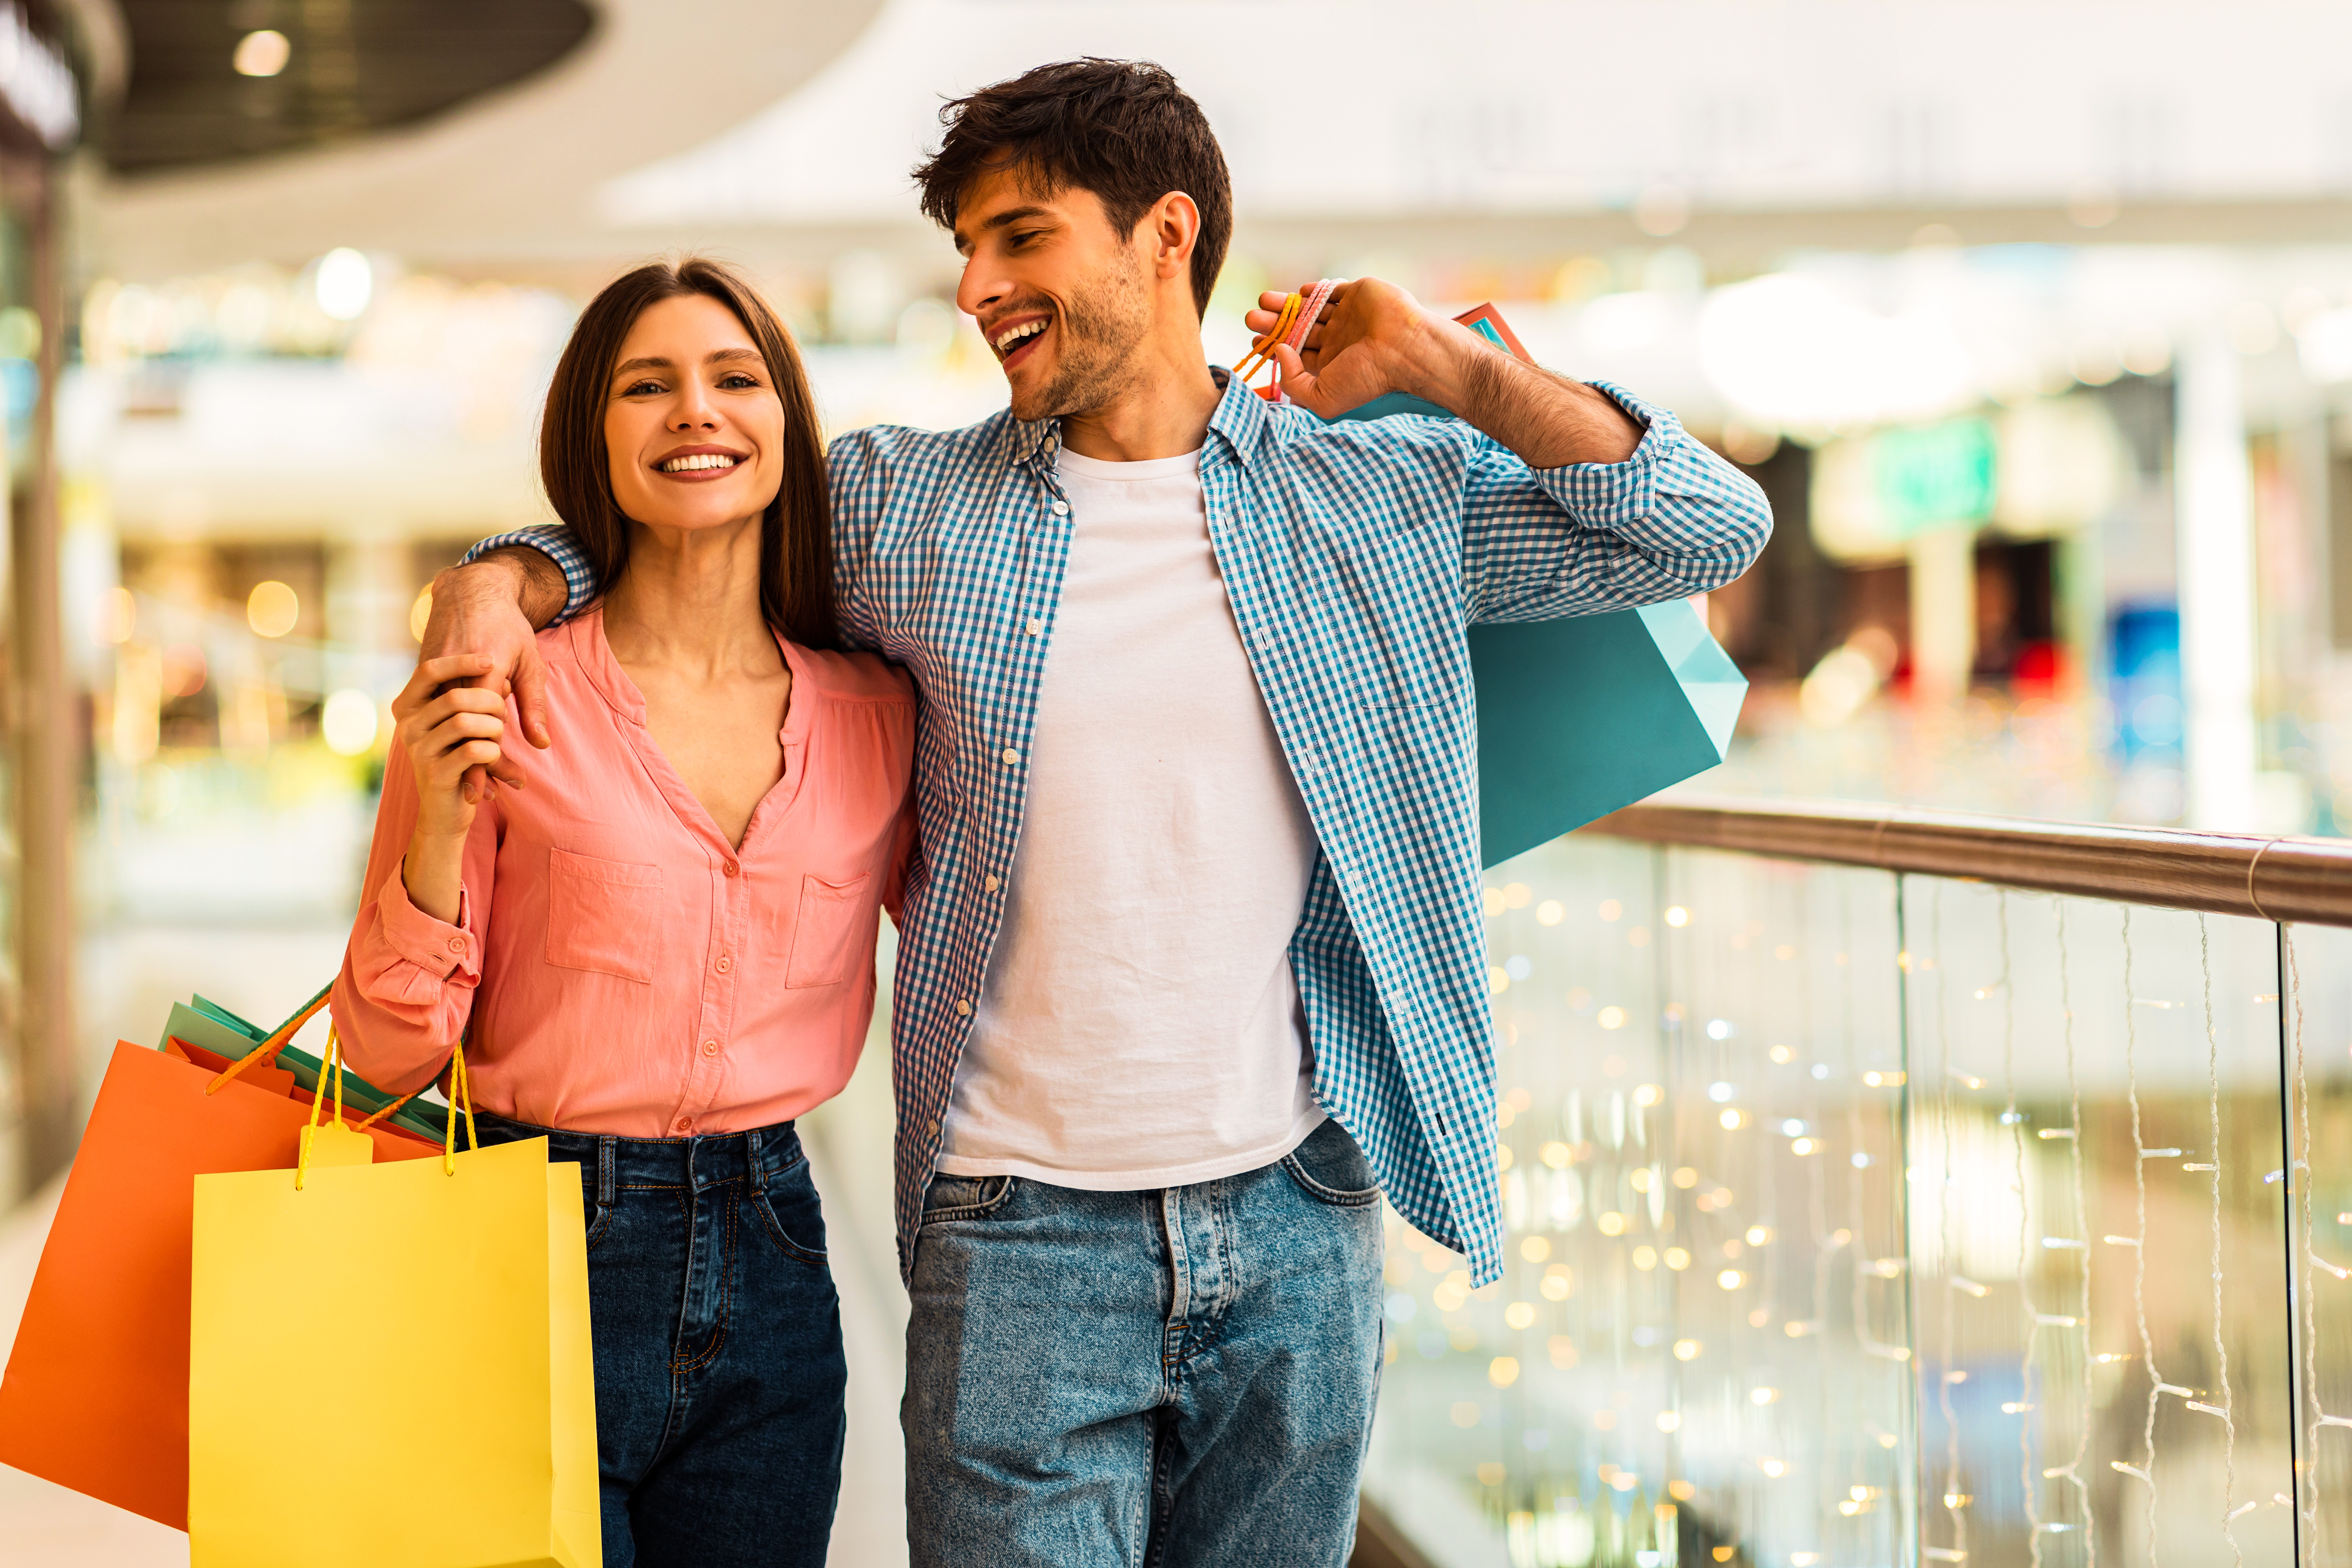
x=1330 y=1168
x=792 y=1215
x=949 y=1198
x=835 y=922
x=600 y=914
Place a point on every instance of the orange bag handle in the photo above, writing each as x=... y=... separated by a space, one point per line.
x=268 y=1049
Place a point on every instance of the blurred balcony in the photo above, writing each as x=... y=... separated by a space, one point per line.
x=1892 y=1187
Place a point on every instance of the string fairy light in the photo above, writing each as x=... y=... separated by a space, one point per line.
x=1945 y=1382
x=2072 y=1468
x=2221 y=1349
x=2029 y=1482
x=2146 y=1470
x=2299 y=1266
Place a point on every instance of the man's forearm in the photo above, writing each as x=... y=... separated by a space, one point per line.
x=1548 y=419
x=530 y=577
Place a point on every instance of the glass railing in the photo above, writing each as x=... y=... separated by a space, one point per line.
x=1862 y=1215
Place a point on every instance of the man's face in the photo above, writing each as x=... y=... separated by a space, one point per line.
x=1062 y=299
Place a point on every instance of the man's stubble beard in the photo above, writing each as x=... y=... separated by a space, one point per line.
x=1100 y=329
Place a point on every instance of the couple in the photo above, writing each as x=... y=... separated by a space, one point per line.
x=1169 y=784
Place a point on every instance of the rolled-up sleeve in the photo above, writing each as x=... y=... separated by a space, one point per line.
x=558 y=544
x=406 y=990
x=1671 y=520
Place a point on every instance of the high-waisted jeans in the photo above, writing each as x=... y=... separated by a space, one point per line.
x=719 y=1373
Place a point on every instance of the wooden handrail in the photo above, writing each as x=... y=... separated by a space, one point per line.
x=2306 y=880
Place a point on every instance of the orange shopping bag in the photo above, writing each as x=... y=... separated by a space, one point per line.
x=95 y=1394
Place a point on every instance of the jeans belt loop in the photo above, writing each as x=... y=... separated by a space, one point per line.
x=756 y=1162
x=607 y=1147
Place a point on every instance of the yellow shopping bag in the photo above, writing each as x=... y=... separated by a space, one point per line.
x=463 y=1284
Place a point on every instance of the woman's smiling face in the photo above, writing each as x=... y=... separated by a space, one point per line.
x=692 y=423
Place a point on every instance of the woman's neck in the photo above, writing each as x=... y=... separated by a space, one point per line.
x=689 y=603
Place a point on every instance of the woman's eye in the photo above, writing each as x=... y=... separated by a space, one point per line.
x=640 y=388
x=737 y=381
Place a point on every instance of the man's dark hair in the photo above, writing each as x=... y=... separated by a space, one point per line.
x=1121 y=129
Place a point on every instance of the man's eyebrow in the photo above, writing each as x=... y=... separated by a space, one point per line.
x=1006 y=219
x=657 y=361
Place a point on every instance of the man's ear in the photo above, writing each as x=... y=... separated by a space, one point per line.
x=1173 y=227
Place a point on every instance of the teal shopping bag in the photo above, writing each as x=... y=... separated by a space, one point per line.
x=1578 y=717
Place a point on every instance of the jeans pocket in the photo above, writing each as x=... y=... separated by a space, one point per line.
x=951 y=1198
x=600 y=1220
x=1330 y=1169
x=791 y=1216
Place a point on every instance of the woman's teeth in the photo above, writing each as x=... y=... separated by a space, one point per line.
x=1014 y=335
x=700 y=460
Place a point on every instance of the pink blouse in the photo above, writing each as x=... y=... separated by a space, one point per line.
x=625 y=970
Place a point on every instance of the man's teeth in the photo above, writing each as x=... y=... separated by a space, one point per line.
x=699 y=461
x=1014 y=336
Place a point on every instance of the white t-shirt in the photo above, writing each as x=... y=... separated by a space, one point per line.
x=1140 y=1026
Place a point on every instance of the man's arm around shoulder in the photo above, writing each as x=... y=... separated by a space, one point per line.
x=493 y=605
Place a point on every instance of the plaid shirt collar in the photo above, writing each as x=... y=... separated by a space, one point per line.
x=1242 y=422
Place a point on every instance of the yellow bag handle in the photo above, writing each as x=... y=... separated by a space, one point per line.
x=269 y=1047
x=461 y=1092
x=333 y=1064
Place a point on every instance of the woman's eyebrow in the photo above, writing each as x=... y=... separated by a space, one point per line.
x=657 y=361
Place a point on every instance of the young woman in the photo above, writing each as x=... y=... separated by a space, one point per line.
x=663 y=946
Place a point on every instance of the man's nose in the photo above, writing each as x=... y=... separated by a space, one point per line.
x=979 y=288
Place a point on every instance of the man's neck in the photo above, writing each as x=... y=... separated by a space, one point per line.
x=1162 y=412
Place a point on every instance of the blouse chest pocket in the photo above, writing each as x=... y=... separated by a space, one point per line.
x=602 y=915
x=834 y=922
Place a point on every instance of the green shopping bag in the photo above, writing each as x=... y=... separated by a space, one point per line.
x=1578 y=717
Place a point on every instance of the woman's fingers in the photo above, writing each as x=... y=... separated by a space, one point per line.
x=460 y=728
x=433 y=674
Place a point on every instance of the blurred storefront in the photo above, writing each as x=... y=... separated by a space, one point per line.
x=48 y=58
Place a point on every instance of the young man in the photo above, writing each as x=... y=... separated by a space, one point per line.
x=1192 y=971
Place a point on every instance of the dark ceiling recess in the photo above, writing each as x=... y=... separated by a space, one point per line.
x=353 y=66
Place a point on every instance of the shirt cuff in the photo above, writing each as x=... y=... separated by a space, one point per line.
x=437 y=947
x=1613 y=494
x=559 y=546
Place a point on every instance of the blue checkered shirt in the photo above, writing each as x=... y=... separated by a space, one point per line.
x=1355 y=555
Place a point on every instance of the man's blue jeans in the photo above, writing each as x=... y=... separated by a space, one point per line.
x=1151 y=1379
x=719 y=1373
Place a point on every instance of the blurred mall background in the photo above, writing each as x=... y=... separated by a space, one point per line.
x=2034 y=320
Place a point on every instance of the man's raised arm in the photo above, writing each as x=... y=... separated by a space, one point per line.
x=1374 y=338
x=493 y=605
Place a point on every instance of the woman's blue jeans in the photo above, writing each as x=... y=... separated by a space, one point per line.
x=719 y=1366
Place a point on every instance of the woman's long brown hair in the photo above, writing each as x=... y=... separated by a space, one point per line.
x=795 y=534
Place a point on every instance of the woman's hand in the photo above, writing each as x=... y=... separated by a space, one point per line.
x=446 y=732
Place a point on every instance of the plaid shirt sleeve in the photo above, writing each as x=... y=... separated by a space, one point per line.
x=1671 y=520
x=554 y=542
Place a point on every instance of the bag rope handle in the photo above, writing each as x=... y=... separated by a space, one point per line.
x=1297 y=318
x=461 y=1092
x=269 y=1047
x=333 y=1063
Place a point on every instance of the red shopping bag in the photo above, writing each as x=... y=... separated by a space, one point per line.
x=95 y=1394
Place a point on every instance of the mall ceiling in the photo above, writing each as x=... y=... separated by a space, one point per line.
x=346 y=68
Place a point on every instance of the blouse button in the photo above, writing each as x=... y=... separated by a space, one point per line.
x=681 y=1125
x=456 y=944
x=733 y=869
x=711 y=1048
x=725 y=964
